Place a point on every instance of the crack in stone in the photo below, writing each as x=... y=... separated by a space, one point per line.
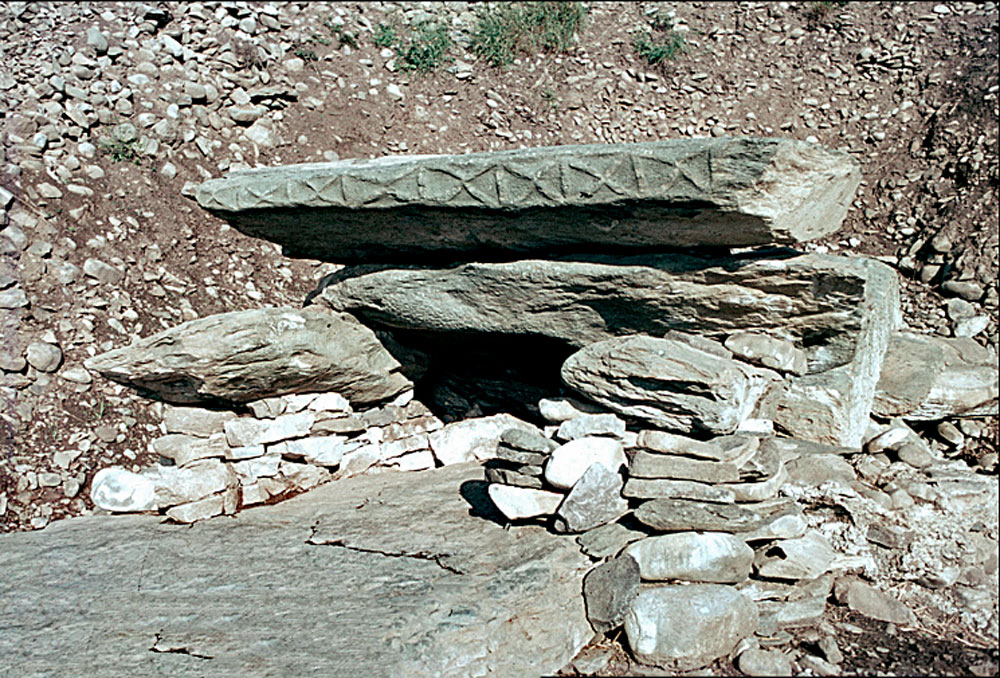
x=175 y=650
x=436 y=558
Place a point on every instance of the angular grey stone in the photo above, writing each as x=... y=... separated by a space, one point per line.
x=320 y=450
x=758 y=662
x=871 y=602
x=208 y=590
x=806 y=557
x=472 y=439
x=834 y=406
x=670 y=193
x=608 y=540
x=346 y=425
x=822 y=303
x=591 y=425
x=594 y=500
x=523 y=502
x=506 y=476
x=254 y=468
x=609 y=591
x=558 y=410
x=569 y=462
x=777 y=354
x=714 y=557
x=102 y=272
x=668 y=383
x=815 y=469
x=97 y=40
x=792 y=613
x=505 y=453
x=658 y=488
x=780 y=519
x=174 y=485
x=267 y=408
x=926 y=378
x=658 y=465
x=687 y=627
x=13 y=298
x=247 y=355
x=527 y=441
x=680 y=515
x=195 y=421
x=669 y=443
x=184 y=449
x=201 y=509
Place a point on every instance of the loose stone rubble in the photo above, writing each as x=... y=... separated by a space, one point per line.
x=720 y=403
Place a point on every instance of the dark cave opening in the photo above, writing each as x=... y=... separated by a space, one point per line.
x=463 y=375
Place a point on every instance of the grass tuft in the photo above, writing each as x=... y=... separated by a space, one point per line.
x=662 y=43
x=426 y=49
x=505 y=30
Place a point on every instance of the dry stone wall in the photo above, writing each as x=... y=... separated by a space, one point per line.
x=710 y=398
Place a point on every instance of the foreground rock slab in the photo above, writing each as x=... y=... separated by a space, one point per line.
x=248 y=355
x=383 y=575
x=686 y=192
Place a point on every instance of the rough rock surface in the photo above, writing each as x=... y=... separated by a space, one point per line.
x=668 y=383
x=725 y=191
x=609 y=591
x=589 y=298
x=688 y=626
x=594 y=500
x=929 y=378
x=247 y=355
x=833 y=406
x=411 y=583
x=715 y=557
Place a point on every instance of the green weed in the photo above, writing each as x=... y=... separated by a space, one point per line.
x=305 y=54
x=426 y=49
x=385 y=35
x=120 y=150
x=661 y=43
x=503 y=31
x=655 y=50
x=344 y=37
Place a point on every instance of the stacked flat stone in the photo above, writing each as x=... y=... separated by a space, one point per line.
x=215 y=462
x=578 y=482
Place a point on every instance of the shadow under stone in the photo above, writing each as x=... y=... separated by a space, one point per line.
x=481 y=506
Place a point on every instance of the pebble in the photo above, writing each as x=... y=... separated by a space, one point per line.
x=43 y=356
x=966 y=290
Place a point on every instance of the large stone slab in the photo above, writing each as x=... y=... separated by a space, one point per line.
x=929 y=378
x=247 y=355
x=834 y=406
x=682 y=192
x=668 y=383
x=385 y=575
x=824 y=304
